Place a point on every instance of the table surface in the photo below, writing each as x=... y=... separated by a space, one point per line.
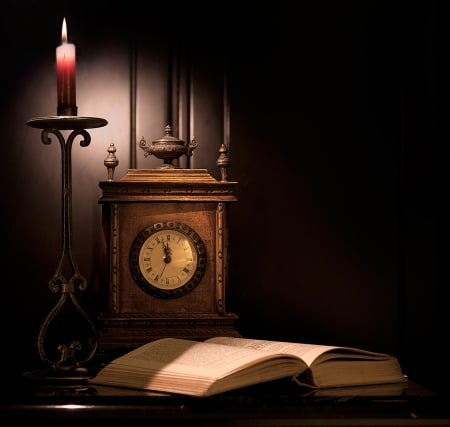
x=278 y=403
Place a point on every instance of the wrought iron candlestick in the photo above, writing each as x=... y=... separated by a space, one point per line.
x=69 y=357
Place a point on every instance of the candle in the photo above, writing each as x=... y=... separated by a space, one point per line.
x=65 y=71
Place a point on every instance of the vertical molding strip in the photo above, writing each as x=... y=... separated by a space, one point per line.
x=133 y=124
x=190 y=107
x=181 y=101
x=226 y=107
x=221 y=251
x=178 y=126
x=170 y=71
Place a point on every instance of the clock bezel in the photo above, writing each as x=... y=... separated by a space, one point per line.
x=146 y=234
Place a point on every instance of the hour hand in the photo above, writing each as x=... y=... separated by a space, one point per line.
x=166 y=258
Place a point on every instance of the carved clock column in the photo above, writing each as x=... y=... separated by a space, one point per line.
x=166 y=238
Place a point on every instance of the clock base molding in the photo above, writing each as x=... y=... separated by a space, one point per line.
x=117 y=334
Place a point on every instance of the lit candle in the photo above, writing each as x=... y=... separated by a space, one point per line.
x=65 y=71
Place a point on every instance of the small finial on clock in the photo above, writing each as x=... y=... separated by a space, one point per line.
x=111 y=161
x=223 y=162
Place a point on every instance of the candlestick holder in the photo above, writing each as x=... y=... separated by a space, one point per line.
x=65 y=347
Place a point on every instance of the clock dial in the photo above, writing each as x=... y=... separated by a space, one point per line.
x=167 y=259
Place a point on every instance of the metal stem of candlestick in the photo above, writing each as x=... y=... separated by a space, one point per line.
x=69 y=357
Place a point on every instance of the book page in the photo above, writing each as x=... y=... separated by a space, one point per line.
x=193 y=357
x=307 y=352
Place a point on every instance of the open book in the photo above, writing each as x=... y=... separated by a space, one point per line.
x=205 y=368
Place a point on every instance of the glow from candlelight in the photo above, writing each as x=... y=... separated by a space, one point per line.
x=64 y=31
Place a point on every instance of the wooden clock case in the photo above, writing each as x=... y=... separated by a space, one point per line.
x=147 y=196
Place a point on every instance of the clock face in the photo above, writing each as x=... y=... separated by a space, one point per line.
x=167 y=259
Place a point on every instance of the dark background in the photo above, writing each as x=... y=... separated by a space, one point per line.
x=338 y=139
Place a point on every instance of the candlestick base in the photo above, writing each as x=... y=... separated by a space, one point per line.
x=60 y=376
x=67 y=110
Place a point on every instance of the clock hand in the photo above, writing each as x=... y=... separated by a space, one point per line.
x=164 y=267
x=167 y=258
x=167 y=253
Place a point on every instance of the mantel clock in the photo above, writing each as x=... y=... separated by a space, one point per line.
x=166 y=246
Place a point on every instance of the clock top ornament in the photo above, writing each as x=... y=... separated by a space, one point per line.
x=167 y=250
x=168 y=148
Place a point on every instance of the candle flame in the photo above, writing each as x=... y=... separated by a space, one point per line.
x=64 y=31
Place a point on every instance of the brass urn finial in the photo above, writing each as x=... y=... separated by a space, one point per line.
x=168 y=148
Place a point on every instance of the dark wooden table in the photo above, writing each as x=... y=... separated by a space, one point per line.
x=279 y=403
